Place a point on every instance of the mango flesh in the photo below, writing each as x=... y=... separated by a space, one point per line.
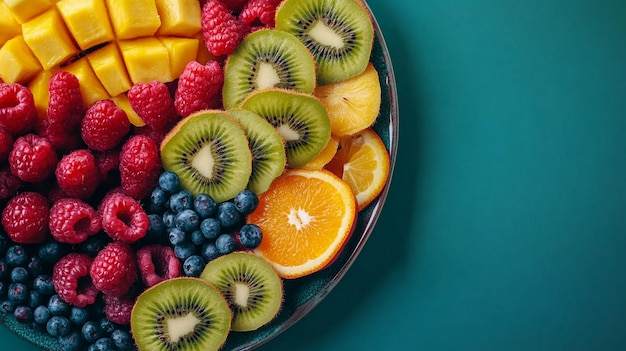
x=181 y=51
x=17 y=61
x=146 y=59
x=108 y=65
x=49 y=39
x=24 y=10
x=133 y=19
x=90 y=87
x=41 y=95
x=122 y=102
x=87 y=20
x=179 y=17
x=8 y=25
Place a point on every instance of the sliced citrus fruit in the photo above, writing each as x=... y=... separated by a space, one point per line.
x=352 y=104
x=305 y=216
x=325 y=155
x=363 y=162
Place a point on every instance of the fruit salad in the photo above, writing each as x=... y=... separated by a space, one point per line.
x=167 y=166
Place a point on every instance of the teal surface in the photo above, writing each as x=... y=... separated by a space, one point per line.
x=505 y=226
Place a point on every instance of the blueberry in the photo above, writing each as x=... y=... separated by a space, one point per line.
x=91 y=331
x=177 y=236
x=168 y=219
x=34 y=299
x=71 y=342
x=158 y=198
x=246 y=201
x=209 y=252
x=197 y=238
x=225 y=244
x=193 y=265
x=4 y=286
x=18 y=293
x=106 y=326
x=19 y=275
x=58 y=326
x=104 y=344
x=210 y=228
x=78 y=315
x=181 y=200
x=7 y=306
x=4 y=269
x=250 y=236
x=51 y=251
x=23 y=314
x=169 y=182
x=58 y=306
x=187 y=220
x=36 y=266
x=184 y=250
x=94 y=244
x=41 y=314
x=204 y=205
x=43 y=284
x=156 y=228
x=16 y=256
x=227 y=215
x=122 y=340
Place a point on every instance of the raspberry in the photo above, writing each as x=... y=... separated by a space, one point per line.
x=65 y=105
x=25 y=218
x=233 y=5
x=17 y=109
x=123 y=218
x=117 y=309
x=107 y=162
x=153 y=103
x=77 y=174
x=197 y=87
x=6 y=144
x=104 y=126
x=222 y=31
x=32 y=158
x=155 y=135
x=72 y=221
x=259 y=13
x=140 y=166
x=62 y=138
x=9 y=183
x=157 y=263
x=71 y=280
x=114 y=269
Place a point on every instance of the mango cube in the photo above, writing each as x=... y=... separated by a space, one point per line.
x=87 y=20
x=146 y=60
x=41 y=95
x=133 y=19
x=18 y=64
x=181 y=52
x=179 y=17
x=90 y=87
x=108 y=65
x=122 y=102
x=48 y=38
x=24 y=10
x=8 y=25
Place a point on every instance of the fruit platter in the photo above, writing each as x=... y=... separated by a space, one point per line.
x=184 y=174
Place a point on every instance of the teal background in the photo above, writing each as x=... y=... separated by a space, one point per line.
x=505 y=225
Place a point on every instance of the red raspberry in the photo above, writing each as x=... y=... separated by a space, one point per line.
x=233 y=5
x=117 y=309
x=72 y=221
x=114 y=269
x=222 y=31
x=140 y=166
x=32 y=158
x=62 y=138
x=157 y=263
x=197 y=87
x=9 y=183
x=259 y=13
x=107 y=162
x=6 y=144
x=153 y=103
x=104 y=126
x=17 y=109
x=157 y=136
x=123 y=218
x=71 y=280
x=77 y=174
x=56 y=193
x=25 y=218
x=65 y=105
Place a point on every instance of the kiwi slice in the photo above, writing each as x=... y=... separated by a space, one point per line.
x=209 y=152
x=300 y=119
x=180 y=314
x=267 y=148
x=267 y=58
x=339 y=34
x=251 y=286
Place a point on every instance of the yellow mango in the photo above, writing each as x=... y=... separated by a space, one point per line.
x=146 y=60
x=18 y=64
x=181 y=51
x=179 y=17
x=49 y=39
x=39 y=87
x=122 y=102
x=87 y=20
x=8 y=25
x=108 y=65
x=24 y=10
x=133 y=19
x=90 y=87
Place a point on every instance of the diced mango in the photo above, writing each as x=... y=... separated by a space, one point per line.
x=87 y=20
x=24 y=10
x=108 y=65
x=203 y=55
x=179 y=17
x=133 y=19
x=18 y=64
x=122 y=102
x=146 y=60
x=39 y=87
x=8 y=25
x=181 y=51
x=90 y=87
x=49 y=39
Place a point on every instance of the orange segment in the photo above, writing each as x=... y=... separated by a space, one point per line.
x=363 y=162
x=305 y=217
x=325 y=155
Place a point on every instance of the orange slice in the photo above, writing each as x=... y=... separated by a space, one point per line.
x=363 y=162
x=325 y=155
x=305 y=216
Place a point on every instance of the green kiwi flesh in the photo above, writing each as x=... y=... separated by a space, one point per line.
x=339 y=34
x=180 y=314
x=300 y=119
x=267 y=148
x=209 y=152
x=251 y=286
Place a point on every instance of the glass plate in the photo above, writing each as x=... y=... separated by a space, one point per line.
x=303 y=294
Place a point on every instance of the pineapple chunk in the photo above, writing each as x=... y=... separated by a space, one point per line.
x=18 y=64
x=133 y=19
x=90 y=87
x=108 y=65
x=24 y=10
x=179 y=17
x=87 y=20
x=49 y=39
x=122 y=102
x=39 y=87
x=146 y=60
x=8 y=25
x=181 y=52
